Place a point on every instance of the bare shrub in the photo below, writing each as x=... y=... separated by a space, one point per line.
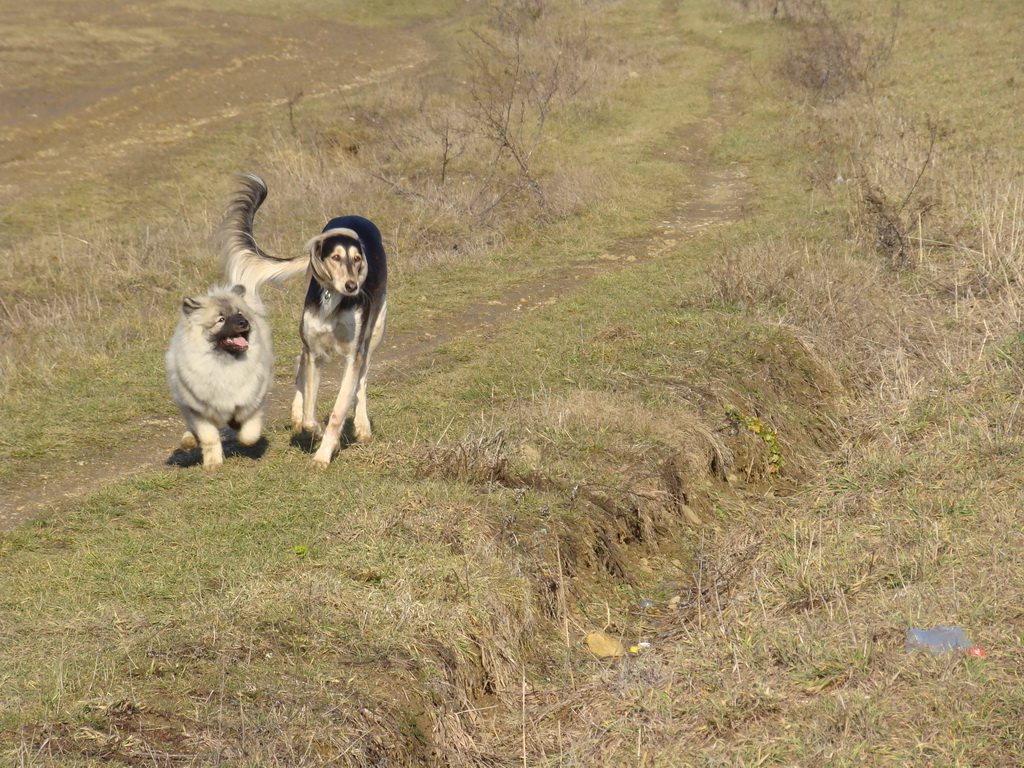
x=889 y=169
x=453 y=161
x=923 y=206
x=520 y=76
x=722 y=567
x=827 y=56
x=900 y=188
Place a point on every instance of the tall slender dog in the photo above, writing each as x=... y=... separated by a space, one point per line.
x=344 y=313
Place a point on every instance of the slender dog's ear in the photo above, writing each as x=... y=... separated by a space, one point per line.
x=315 y=248
x=238 y=290
x=315 y=245
x=190 y=305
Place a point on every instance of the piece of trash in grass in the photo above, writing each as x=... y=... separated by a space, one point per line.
x=639 y=647
x=941 y=639
x=603 y=645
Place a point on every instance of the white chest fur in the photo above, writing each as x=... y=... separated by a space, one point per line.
x=328 y=331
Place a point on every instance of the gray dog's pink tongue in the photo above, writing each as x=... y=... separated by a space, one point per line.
x=236 y=342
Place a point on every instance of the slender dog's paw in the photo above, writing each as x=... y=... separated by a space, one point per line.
x=188 y=442
x=314 y=428
x=323 y=455
x=361 y=434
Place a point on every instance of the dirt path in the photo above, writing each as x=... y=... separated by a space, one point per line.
x=96 y=85
x=80 y=129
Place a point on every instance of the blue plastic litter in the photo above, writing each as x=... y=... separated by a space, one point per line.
x=939 y=640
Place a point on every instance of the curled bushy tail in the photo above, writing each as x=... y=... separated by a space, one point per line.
x=244 y=262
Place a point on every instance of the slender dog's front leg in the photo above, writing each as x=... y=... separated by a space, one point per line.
x=332 y=435
x=361 y=422
x=297 y=401
x=307 y=385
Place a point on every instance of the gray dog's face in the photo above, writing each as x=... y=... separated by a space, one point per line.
x=224 y=318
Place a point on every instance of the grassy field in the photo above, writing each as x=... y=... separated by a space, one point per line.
x=749 y=458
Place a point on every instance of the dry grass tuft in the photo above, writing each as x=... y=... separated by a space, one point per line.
x=846 y=307
x=482 y=460
x=987 y=264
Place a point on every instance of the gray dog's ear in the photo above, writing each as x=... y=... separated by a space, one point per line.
x=238 y=290
x=190 y=305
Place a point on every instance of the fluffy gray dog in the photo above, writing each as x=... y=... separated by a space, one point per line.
x=220 y=367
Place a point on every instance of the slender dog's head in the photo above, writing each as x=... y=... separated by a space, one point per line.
x=338 y=261
x=224 y=319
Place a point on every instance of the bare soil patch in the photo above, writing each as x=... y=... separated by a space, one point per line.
x=93 y=87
